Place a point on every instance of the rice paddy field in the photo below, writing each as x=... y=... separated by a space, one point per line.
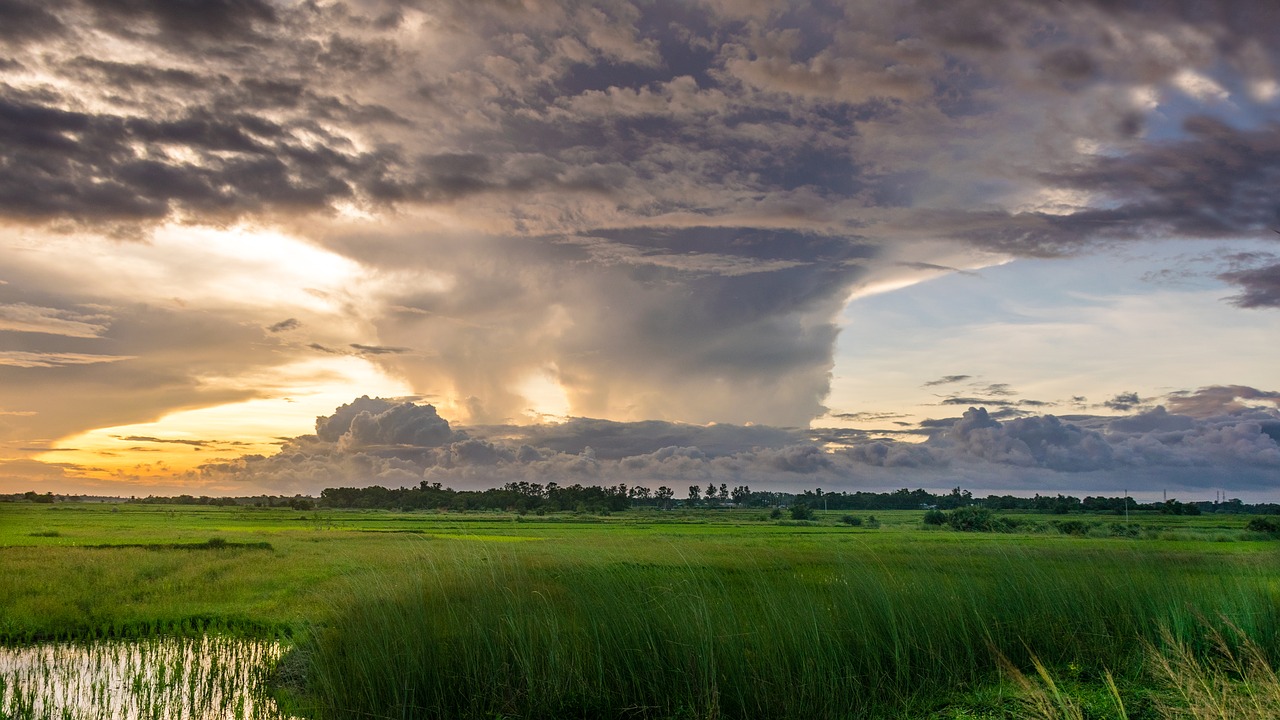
x=273 y=613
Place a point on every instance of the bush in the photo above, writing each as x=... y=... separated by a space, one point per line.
x=775 y=514
x=1263 y=525
x=935 y=517
x=1121 y=530
x=872 y=522
x=1072 y=527
x=971 y=519
x=800 y=511
x=851 y=521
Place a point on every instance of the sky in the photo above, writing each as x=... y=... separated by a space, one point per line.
x=268 y=246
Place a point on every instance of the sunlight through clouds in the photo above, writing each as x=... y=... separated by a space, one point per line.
x=182 y=440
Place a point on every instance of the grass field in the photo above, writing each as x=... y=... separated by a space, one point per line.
x=691 y=614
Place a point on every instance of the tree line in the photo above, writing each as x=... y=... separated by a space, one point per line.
x=538 y=497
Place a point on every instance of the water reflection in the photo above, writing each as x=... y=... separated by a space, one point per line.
x=209 y=678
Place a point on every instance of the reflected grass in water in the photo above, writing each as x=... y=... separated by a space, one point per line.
x=204 y=678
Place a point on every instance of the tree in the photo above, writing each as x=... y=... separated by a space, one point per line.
x=664 y=496
x=695 y=494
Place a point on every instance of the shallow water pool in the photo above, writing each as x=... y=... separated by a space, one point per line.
x=207 y=678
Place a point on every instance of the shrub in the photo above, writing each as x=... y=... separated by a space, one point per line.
x=1072 y=527
x=1263 y=525
x=935 y=517
x=800 y=511
x=851 y=521
x=970 y=519
x=1122 y=530
x=775 y=514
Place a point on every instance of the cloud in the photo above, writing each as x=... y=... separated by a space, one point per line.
x=978 y=401
x=1155 y=419
x=722 y=346
x=65 y=164
x=371 y=422
x=149 y=439
x=1043 y=441
x=375 y=441
x=868 y=416
x=21 y=317
x=612 y=440
x=285 y=325
x=218 y=19
x=23 y=22
x=156 y=357
x=642 y=210
x=580 y=119
x=1123 y=401
x=1261 y=286
x=947 y=380
x=1220 y=399
x=405 y=424
x=379 y=349
x=1215 y=183
x=21 y=359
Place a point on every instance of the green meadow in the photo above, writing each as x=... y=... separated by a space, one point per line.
x=677 y=614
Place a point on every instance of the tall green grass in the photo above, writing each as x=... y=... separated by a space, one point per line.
x=501 y=633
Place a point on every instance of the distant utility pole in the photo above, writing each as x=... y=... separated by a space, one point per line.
x=1126 y=504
